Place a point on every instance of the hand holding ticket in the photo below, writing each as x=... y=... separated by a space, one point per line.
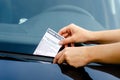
x=49 y=45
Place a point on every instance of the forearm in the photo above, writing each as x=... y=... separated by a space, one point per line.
x=109 y=36
x=107 y=53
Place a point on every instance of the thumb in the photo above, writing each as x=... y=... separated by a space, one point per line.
x=66 y=41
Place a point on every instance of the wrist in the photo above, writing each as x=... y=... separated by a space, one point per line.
x=93 y=37
x=91 y=54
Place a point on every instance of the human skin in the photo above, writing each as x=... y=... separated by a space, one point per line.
x=106 y=52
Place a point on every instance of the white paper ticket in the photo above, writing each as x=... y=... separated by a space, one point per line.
x=49 y=45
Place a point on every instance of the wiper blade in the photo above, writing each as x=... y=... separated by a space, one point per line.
x=24 y=57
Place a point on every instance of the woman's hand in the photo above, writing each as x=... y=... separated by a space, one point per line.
x=74 y=34
x=74 y=56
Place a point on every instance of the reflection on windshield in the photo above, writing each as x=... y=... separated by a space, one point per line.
x=75 y=73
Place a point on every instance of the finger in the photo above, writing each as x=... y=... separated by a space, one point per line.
x=66 y=46
x=66 y=41
x=61 y=59
x=72 y=44
x=57 y=57
x=65 y=35
x=64 y=30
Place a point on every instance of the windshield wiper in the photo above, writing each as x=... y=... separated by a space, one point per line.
x=24 y=57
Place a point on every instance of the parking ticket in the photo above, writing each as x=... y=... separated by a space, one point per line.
x=49 y=44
